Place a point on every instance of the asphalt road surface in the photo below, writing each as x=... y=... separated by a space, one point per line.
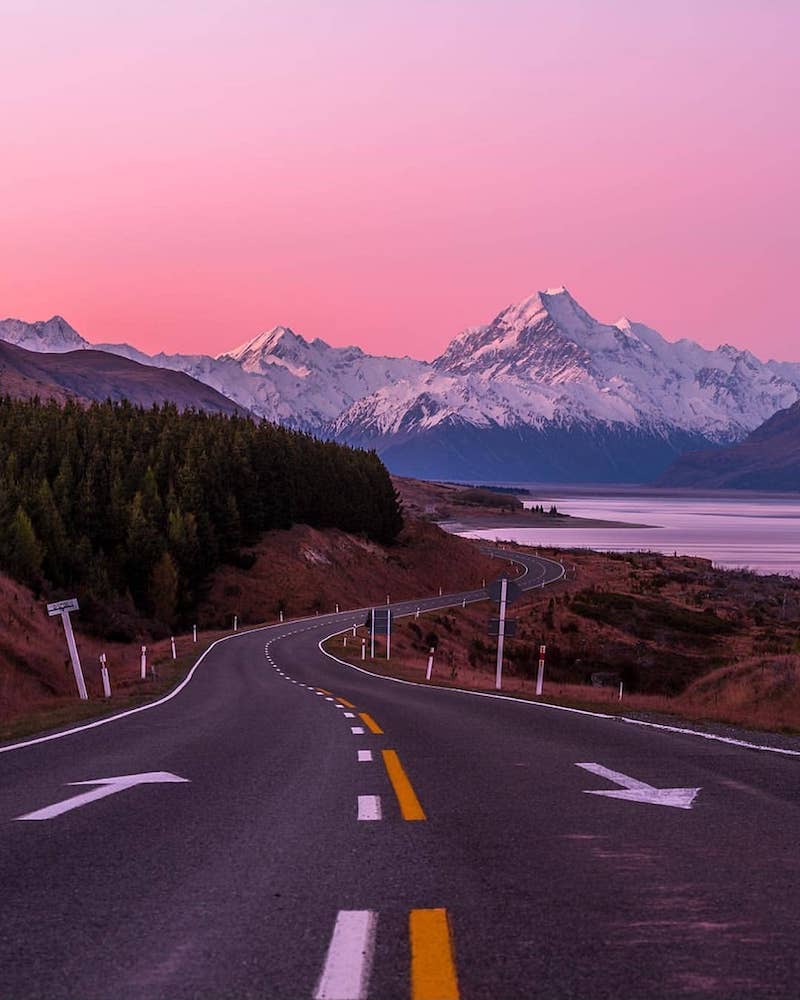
x=339 y=835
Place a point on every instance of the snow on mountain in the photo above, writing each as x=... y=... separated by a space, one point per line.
x=542 y=376
x=54 y=335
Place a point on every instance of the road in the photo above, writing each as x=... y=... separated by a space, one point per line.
x=296 y=859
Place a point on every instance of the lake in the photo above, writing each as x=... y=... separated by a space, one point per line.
x=761 y=533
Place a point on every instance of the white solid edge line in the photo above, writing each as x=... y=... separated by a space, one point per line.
x=369 y=807
x=348 y=963
x=176 y=691
x=744 y=744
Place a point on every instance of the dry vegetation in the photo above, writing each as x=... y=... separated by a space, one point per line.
x=681 y=636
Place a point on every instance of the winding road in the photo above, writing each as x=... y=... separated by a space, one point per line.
x=286 y=826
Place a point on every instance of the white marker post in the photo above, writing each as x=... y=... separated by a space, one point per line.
x=416 y=615
x=172 y=640
x=235 y=623
x=540 y=672
x=372 y=635
x=104 y=676
x=501 y=634
x=463 y=602
x=194 y=633
x=388 y=634
x=64 y=608
x=387 y=598
x=620 y=690
x=429 y=671
x=363 y=649
x=280 y=615
x=144 y=663
x=354 y=631
x=440 y=591
x=344 y=640
x=337 y=609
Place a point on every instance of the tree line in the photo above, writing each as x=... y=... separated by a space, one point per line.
x=114 y=501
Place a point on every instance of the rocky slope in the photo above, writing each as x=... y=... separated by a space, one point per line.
x=768 y=459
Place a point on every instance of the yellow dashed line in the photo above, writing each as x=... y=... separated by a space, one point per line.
x=410 y=807
x=433 y=970
x=370 y=723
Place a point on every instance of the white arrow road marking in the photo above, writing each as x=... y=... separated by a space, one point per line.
x=640 y=791
x=109 y=786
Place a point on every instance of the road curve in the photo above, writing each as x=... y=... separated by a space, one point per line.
x=339 y=835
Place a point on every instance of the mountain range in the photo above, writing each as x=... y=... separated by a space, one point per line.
x=544 y=392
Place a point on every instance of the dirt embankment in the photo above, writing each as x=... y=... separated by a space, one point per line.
x=681 y=636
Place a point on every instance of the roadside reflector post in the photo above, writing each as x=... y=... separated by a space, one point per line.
x=483 y=582
x=387 y=598
x=440 y=591
x=620 y=690
x=172 y=643
x=235 y=623
x=463 y=602
x=64 y=608
x=280 y=615
x=144 y=663
x=372 y=635
x=354 y=631
x=194 y=633
x=344 y=640
x=388 y=634
x=416 y=614
x=540 y=671
x=501 y=631
x=363 y=649
x=429 y=671
x=104 y=676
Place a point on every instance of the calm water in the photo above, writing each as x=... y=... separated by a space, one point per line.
x=760 y=533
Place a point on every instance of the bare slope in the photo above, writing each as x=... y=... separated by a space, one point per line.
x=96 y=375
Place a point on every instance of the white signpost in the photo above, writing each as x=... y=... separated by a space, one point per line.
x=64 y=608
x=144 y=663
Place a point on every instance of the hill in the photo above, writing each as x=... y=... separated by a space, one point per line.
x=768 y=459
x=86 y=376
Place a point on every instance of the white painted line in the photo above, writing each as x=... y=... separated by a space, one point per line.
x=369 y=807
x=364 y=756
x=357 y=730
x=339 y=706
x=345 y=975
x=349 y=715
x=329 y=699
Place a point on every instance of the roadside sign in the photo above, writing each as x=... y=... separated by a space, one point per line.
x=512 y=590
x=381 y=616
x=510 y=627
x=71 y=604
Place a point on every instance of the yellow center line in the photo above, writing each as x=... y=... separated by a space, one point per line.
x=410 y=807
x=370 y=723
x=345 y=702
x=433 y=970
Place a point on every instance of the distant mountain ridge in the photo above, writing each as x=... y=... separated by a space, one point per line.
x=767 y=459
x=90 y=375
x=543 y=392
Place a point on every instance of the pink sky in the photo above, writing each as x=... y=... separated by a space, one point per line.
x=183 y=174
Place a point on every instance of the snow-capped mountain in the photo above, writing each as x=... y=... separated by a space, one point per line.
x=55 y=335
x=543 y=392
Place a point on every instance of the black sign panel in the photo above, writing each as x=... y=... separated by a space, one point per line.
x=510 y=630
x=381 y=619
x=512 y=590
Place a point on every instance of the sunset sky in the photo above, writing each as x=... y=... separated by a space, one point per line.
x=182 y=174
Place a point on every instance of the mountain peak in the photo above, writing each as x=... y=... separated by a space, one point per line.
x=278 y=341
x=53 y=336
